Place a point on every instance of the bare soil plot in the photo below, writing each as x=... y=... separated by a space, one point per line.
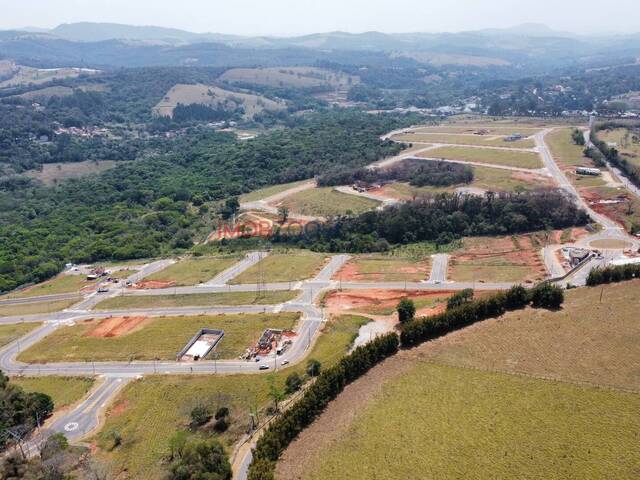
x=34 y=308
x=52 y=173
x=494 y=425
x=384 y=302
x=13 y=331
x=463 y=140
x=326 y=201
x=214 y=97
x=192 y=270
x=142 y=338
x=364 y=268
x=481 y=130
x=298 y=77
x=626 y=213
x=196 y=300
x=283 y=267
x=491 y=156
x=498 y=259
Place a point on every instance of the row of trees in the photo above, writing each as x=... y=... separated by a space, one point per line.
x=442 y=219
x=630 y=170
x=613 y=274
x=417 y=172
x=544 y=295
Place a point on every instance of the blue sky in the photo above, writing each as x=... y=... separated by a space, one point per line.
x=289 y=17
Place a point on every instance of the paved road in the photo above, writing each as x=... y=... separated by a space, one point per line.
x=230 y=273
x=439 y=268
x=40 y=299
x=386 y=201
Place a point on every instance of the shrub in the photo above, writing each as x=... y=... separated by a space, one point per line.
x=547 y=295
x=201 y=460
x=313 y=367
x=200 y=415
x=459 y=298
x=221 y=425
x=293 y=383
x=406 y=310
x=221 y=413
x=616 y=273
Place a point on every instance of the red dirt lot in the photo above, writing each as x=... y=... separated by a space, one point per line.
x=614 y=211
x=339 y=301
x=116 y=326
x=153 y=284
x=350 y=272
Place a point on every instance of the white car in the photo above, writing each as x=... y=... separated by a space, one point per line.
x=263 y=367
x=285 y=362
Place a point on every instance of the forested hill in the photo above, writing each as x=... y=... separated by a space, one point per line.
x=152 y=206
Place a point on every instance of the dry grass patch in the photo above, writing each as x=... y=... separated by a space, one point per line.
x=326 y=201
x=35 y=308
x=64 y=391
x=270 y=191
x=478 y=140
x=52 y=173
x=63 y=283
x=13 y=331
x=498 y=259
x=381 y=268
x=193 y=270
x=491 y=156
x=298 y=77
x=283 y=267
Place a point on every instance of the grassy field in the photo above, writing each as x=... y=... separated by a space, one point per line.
x=283 y=267
x=214 y=97
x=23 y=76
x=60 y=284
x=33 y=308
x=382 y=268
x=52 y=173
x=157 y=337
x=463 y=140
x=64 y=391
x=493 y=425
x=194 y=270
x=269 y=191
x=628 y=142
x=589 y=340
x=489 y=155
x=326 y=201
x=149 y=411
x=12 y=331
x=196 y=299
x=298 y=77
x=491 y=259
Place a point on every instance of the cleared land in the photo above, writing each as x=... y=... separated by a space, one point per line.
x=269 y=191
x=61 y=284
x=193 y=270
x=298 y=77
x=326 y=201
x=480 y=130
x=52 y=173
x=142 y=338
x=33 y=308
x=569 y=156
x=13 y=331
x=384 y=302
x=214 y=97
x=149 y=411
x=196 y=299
x=483 y=141
x=283 y=267
x=491 y=156
x=384 y=268
x=22 y=75
x=501 y=259
x=432 y=412
x=64 y=391
x=494 y=425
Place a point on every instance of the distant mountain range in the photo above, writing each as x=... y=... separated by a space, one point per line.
x=113 y=45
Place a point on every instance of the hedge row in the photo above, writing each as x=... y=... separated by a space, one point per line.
x=613 y=274
x=327 y=387
x=543 y=295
